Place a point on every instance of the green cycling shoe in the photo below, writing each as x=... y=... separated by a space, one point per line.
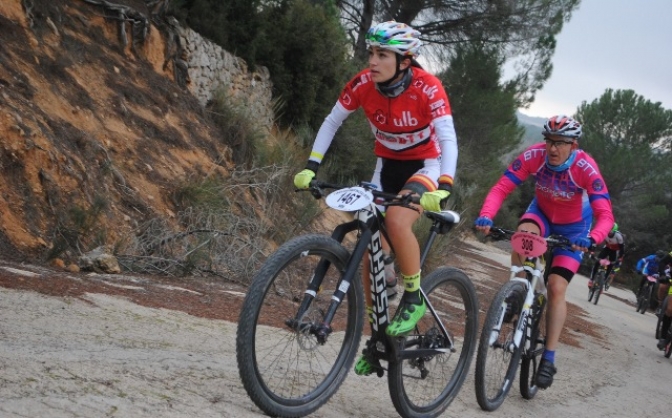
x=406 y=318
x=365 y=367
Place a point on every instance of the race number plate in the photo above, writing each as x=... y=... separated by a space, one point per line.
x=350 y=199
x=527 y=244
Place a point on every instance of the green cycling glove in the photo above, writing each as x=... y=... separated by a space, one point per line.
x=302 y=180
x=431 y=201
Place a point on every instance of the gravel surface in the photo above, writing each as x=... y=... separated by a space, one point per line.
x=89 y=345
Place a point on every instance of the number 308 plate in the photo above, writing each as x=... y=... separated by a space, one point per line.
x=527 y=244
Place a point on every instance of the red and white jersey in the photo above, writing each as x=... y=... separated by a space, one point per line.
x=402 y=125
x=415 y=125
x=615 y=242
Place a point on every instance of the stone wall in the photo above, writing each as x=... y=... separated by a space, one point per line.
x=211 y=67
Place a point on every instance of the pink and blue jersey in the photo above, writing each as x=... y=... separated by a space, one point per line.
x=565 y=201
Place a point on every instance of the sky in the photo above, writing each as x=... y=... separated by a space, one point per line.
x=617 y=44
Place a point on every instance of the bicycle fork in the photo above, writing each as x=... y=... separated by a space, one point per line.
x=323 y=330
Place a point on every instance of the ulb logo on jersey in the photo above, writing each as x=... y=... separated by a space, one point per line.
x=406 y=119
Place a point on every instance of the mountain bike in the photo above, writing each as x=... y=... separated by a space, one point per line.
x=515 y=326
x=595 y=291
x=302 y=319
x=645 y=294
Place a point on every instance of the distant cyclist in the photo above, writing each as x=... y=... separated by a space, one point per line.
x=649 y=266
x=664 y=280
x=614 y=248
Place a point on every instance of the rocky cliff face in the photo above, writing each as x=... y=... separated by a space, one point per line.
x=95 y=117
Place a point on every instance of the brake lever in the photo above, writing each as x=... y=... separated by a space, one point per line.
x=316 y=192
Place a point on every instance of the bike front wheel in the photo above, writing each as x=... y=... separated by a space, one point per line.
x=531 y=358
x=426 y=385
x=600 y=285
x=498 y=358
x=289 y=368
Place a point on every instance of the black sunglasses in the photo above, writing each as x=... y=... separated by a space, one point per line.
x=557 y=144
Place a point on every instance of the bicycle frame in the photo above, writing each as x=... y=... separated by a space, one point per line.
x=368 y=221
x=534 y=269
x=600 y=279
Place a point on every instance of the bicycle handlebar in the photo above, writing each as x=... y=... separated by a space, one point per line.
x=499 y=233
x=385 y=199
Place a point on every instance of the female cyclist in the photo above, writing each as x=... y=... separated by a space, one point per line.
x=415 y=143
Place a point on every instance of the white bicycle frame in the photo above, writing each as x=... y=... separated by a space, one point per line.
x=535 y=267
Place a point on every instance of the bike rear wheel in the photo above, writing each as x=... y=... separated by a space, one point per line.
x=531 y=358
x=646 y=299
x=426 y=385
x=286 y=369
x=497 y=360
x=641 y=300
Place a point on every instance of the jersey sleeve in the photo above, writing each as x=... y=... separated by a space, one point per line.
x=349 y=97
x=516 y=173
x=445 y=132
x=598 y=196
x=327 y=131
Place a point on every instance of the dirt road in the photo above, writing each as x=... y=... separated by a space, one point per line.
x=99 y=352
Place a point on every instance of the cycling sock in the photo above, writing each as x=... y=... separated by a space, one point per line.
x=549 y=355
x=369 y=313
x=412 y=288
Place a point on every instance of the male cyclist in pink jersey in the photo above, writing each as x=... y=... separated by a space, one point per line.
x=416 y=146
x=569 y=191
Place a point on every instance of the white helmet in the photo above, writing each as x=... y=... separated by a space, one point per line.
x=396 y=37
x=562 y=125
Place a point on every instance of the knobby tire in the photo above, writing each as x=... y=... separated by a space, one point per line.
x=659 y=323
x=531 y=359
x=497 y=364
x=600 y=286
x=425 y=386
x=645 y=301
x=641 y=300
x=284 y=369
